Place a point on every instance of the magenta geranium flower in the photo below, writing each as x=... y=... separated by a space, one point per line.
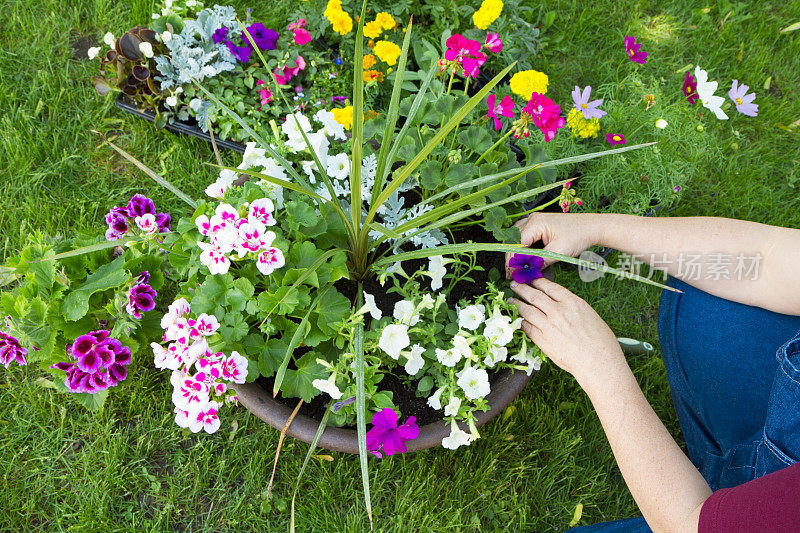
x=690 y=88
x=11 y=350
x=589 y=109
x=493 y=43
x=98 y=362
x=525 y=268
x=466 y=53
x=386 y=436
x=634 y=50
x=744 y=102
x=140 y=205
x=141 y=298
x=545 y=114
x=504 y=108
x=615 y=138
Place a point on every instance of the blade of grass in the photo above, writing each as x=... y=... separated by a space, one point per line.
x=361 y=415
x=311 y=448
x=280 y=444
x=91 y=248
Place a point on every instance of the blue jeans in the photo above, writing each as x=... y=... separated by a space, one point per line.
x=738 y=402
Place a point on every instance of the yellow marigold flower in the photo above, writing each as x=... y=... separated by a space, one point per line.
x=527 y=82
x=487 y=13
x=344 y=116
x=386 y=21
x=342 y=23
x=369 y=61
x=373 y=30
x=334 y=6
x=370 y=75
x=387 y=51
x=580 y=127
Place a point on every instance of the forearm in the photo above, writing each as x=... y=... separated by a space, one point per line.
x=665 y=484
x=746 y=262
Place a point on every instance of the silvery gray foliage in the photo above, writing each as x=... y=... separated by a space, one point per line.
x=393 y=213
x=193 y=53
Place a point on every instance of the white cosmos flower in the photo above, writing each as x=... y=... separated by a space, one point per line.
x=328 y=386
x=448 y=358
x=93 y=52
x=435 y=401
x=330 y=125
x=451 y=409
x=499 y=329
x=456 y=438
x=338 y=166
x=146 y=49
x=436 y=271
x=394 y=339
x=474 y=382
x=404 y=313
x=471 y=317
x=374 y=310
x=109 y=39
x=415 y=361
x=661 y=124
x=706 y=90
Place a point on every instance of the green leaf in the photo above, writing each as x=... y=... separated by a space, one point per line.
x=476 y=139
x=459 y=173
x=93 y=402
x=234 y=328
x=104 y=245
x=361 y=414
x=297 y=383
x=108 y=276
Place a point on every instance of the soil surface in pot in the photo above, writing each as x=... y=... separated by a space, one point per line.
x=405 y=398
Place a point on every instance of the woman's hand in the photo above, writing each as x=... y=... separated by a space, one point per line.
x=568 y=234
x=569 y=332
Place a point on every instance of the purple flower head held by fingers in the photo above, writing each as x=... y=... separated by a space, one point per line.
x=526 y=268
x=386 y=436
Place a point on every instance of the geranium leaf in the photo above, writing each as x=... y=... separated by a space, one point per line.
x=108 y=276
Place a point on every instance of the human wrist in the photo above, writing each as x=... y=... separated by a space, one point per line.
x=610 y=372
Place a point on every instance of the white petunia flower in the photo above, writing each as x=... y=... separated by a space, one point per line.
x=499 y=329
x=415 y=361
x=394 y=339
x=93 y=52
x=273 y=170
x=448 y=358
x=166 y=37
x=253 y=157
x=328 y=386
x=404 y=313
x=706 y=90
x=497 y=354
x=146 y=49
x=427 y=301
x=338 y=166
x=293 y=127
x=320 y=145
x=451 y=409
x=437 y=271
x=471 y=317
x=374 y=310
x=330 y=125
x=109 y=39
x=461 y=345
x=435 y=401
x=456 y=438
x=474 y=382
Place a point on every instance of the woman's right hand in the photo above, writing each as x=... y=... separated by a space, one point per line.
x=563 y=233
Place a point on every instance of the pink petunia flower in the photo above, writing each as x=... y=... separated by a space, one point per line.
x=301 y=36
x=634 y=50
x=744 y=102
x=493 y=43
x=504 y=108
x=386 y=436
x=265 y=94
x=615 y=138
x=589 y=109
x=690 y=88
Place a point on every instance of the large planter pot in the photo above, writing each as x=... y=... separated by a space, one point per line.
x=257 y=400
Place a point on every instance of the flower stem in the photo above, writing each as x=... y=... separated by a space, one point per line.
x=537 y=208
x=495 y=145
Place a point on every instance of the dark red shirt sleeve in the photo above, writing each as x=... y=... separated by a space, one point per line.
x=768 y=504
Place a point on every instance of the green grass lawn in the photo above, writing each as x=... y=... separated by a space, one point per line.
x=129 y=468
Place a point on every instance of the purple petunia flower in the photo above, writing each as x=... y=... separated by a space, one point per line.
x=589 y=109
x=220 y=35
x=141 y=298
x=98 y=362
x=690 y=88
x=744 y=102
x=140 y=205
x=615 y=138
x=526 y=268
x=265 y=38
x=11 y=350
x=241 y=53
x=386 y=436
x=634 y=52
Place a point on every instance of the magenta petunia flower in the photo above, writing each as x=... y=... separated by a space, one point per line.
x=493 y=43
x=98 y=362
x=301 y=36
x=589 y=109
x=744 y=102
x=504 y=108
x=615 y=138
x=690 y=88
x=11 y=350
x=525 y=268
x=545 y=114
x=386 y=436
x=634 y=50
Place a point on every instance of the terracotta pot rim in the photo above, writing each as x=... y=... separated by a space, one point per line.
x=260 y=402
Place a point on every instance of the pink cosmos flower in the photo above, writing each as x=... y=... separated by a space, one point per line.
x=545 y=114
x=270 y=260
x=744 y=102
x=690 y=88
x=588 y=108
x=493 y=43
x=634 y=52
x=386 y=436
x=615 y=138
x=504 y=108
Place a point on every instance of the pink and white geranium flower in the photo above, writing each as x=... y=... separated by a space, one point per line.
x=270 y=260
x=147 y=223
x=262 y=210
x=205 y=418
x=214 y=258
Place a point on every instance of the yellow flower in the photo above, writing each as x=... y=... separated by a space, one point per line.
x=333 y=7
x=580 y=127
x=487 y=13
x=373 y=30
x=386 y=21
x=344 y=116
x=527 y=82
x=369 y=61
x=387 y=51
x=341 y=22
x=370 y=75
